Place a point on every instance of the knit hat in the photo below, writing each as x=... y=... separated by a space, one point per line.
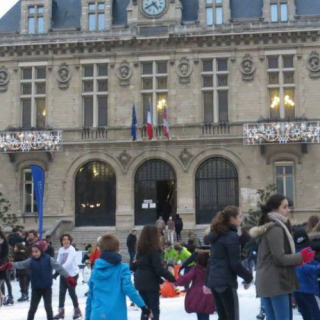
x=301 y=238
x=41 y=245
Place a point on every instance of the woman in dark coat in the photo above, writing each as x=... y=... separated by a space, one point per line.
x=225 y=263
x=4 y=275
x=149 y=269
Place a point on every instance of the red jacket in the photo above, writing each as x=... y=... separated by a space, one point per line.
x=95 y=254
x=196 y=300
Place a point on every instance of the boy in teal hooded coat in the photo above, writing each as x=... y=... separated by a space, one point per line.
x=109 y=285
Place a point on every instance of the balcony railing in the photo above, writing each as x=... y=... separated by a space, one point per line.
x=281 y=133
x=30 y=141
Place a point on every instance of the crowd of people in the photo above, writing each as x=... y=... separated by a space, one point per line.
x=286 y=260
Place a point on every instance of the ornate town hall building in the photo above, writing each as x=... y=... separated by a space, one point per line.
x=239 y=80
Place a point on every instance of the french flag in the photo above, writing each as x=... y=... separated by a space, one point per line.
x=149 y=123
x=165 y=126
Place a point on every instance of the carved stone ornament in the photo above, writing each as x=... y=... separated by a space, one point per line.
x=4 y=79
x=63 y=76
x=313 y=64
x=124 y=158
x=185 y=157
x=247 y=68
x=184 y=70
x=124 y=73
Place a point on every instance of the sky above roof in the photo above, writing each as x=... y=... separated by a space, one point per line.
x=6 y=5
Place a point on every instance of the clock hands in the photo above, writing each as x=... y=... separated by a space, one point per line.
x=154 y=4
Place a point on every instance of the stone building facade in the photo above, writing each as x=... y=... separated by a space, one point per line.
x=219 y=68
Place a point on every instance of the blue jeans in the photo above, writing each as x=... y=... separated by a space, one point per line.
x=278 y=307
x=132 y=256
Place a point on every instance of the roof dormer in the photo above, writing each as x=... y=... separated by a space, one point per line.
x=36 y=16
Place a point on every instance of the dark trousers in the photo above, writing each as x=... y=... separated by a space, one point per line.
x=23 y=282
x=8 y=284
x=308 y=305
x=132 y=255
x=178 y=233
x=36 y=296
x=203 y=316
x=72 y=293
x=152 y=301
x=227 y=303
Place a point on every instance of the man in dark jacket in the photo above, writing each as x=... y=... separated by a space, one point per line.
x=14 y=237
x=131 y=244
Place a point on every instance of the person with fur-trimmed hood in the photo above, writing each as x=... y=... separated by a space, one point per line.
x=276 y=277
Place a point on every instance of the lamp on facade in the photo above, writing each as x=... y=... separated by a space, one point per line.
x=275 y=102
x=288 y=101
x=161 y=104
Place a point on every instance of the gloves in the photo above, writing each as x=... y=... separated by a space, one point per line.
x=55 y=275
x=307 y=255
x=6 y=266
x=71 y=282
x=145 y=312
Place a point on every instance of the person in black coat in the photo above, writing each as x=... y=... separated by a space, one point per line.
x=5 y=275
x=178 y=224
x=149 y=269
x=15 y=237
x=132 y=244
x=225 y=263
x=20 y=254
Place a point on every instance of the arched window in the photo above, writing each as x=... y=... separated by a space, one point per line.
x=95 y=195
x=217 y=186
x=155 y=192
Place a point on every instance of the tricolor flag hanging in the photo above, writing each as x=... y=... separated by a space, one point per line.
x=165 y=126
x=134 y=124
x=149 y=123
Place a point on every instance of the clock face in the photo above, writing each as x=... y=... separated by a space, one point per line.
x=153 y=8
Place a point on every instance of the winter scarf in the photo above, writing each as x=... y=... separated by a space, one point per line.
x=281 y=220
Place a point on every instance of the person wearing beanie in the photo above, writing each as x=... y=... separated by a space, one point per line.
x=307 y=297
x=40 y=266
x=276 y=278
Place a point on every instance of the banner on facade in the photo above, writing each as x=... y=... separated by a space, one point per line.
x=38 y=181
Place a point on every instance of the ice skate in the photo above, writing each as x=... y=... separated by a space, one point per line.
x=23 y=298
x=77 y=314
x=60 y=314
x=261 y=315
x=8 y=301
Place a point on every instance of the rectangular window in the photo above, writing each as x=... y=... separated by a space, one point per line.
x=279 y=11
x=215 y=90
x=96 y=16
x=29 y=197
x=284 y=180
x=214 y=12
x=95 y=95
x=154 y=80
x=284 y=12
x=33 y=97
x=36 y=19
x=281 y=87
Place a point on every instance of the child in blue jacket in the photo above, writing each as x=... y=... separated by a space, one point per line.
x=109 y=285
x=307 y=297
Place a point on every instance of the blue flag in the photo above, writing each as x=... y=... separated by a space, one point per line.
x=38 y=180
x=134 y=124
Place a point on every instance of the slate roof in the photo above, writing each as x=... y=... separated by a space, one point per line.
x=246 y=9
x=307 y=7
x=67 y=13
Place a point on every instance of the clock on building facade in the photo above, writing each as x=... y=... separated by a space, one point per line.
x=154 y=8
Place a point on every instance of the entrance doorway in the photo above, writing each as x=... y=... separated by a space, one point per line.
x=95 y=187
x=217 y=186
x=155 y=192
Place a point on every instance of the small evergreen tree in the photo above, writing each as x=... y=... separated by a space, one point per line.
x=7 y=219
x=252 y=219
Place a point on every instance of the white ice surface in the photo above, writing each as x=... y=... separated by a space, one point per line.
x=170 y=308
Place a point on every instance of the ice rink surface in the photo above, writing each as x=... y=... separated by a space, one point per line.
x=170 y=308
